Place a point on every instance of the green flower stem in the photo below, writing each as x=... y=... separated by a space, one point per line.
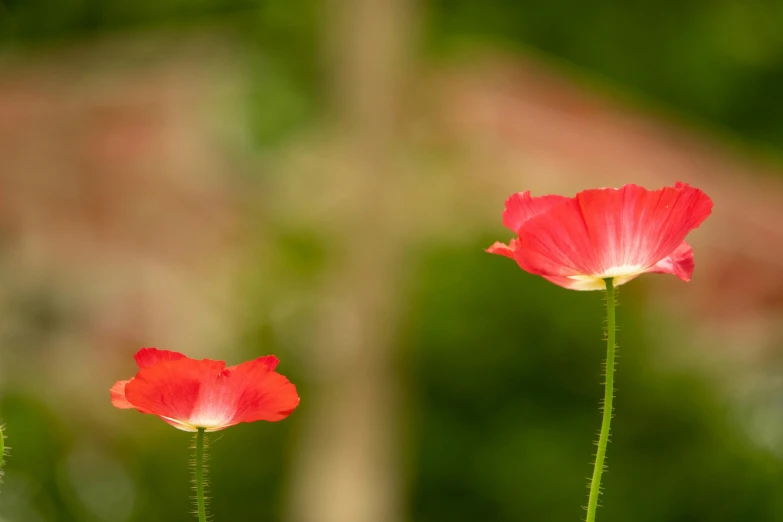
x=603 y=439
x=200 y=504
x=2 y=448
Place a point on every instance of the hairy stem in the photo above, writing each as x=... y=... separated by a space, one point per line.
x=199 y=478
x=2 y=450
x=603 y=439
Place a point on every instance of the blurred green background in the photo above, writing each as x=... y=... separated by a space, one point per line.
x=231 y=178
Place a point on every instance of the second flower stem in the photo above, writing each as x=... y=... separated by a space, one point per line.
x=2 y=448
x=200 y=505
x=603 y=439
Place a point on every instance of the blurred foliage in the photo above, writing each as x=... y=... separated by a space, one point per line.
x=55 y=473
x=502 y=386
x=505 y=367
x=281 y=40
x=720 y=62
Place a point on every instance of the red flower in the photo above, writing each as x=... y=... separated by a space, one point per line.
x=191 y=394
x=619 y=233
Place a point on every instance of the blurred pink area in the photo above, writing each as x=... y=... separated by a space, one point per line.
x=115 y=190
x=114 y=179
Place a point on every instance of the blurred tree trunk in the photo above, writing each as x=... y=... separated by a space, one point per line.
x=348 y=462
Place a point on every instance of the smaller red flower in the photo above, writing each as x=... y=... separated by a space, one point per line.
x=190 y=394
x=604 y=233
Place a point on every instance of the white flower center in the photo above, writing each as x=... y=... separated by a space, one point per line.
x=619 y=274
x=622 y=271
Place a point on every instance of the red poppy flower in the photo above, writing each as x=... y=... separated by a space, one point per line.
x=191 y=394
x=604 y=233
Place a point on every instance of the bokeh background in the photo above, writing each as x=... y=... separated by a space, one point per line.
x=317 y=179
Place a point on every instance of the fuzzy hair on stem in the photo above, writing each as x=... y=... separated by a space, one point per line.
x=4 y=451
x=606 y=404
x=198 y=464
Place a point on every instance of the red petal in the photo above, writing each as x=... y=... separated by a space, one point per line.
x=172 y=389
x=261 y=394
x=145 y=357
x=270 y=361
x=680 y=263
x=564 y=281
x=150 y=356
x=118 y=395
x=611 y=232
x=502 y=249
x=190 y=394
x=521 y=207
